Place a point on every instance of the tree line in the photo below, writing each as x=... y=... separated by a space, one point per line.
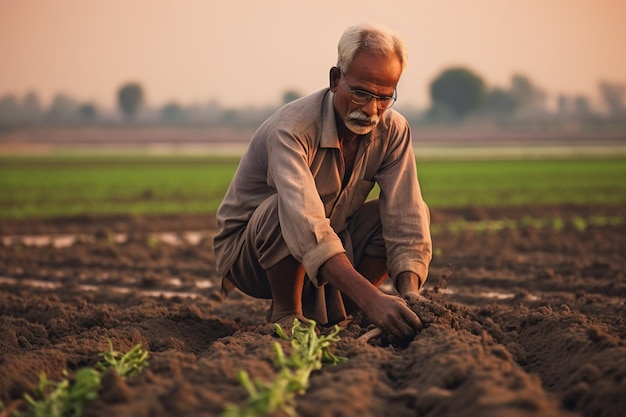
x=457 y=95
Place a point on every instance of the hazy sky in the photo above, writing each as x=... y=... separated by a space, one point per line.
x=251 y=52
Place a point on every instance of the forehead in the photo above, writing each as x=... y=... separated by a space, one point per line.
x=376 y=70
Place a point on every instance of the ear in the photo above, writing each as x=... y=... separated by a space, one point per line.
x=335 y=75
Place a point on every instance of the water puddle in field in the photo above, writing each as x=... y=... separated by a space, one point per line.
x=191 y=237
x=492 y=295
x=202 y=284
x=387 y=287
x=497 y=295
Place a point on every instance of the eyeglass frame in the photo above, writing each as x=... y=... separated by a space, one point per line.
x=369 y=96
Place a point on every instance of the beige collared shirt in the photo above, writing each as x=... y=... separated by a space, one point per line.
x=296 y=154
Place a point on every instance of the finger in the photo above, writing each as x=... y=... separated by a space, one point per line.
x=395 y=335
x=404 y=329
x=413 y=321
x=401 y=334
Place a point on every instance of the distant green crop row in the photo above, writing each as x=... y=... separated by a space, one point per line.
x=523 y=182
x=53 y=186
x=43 y=186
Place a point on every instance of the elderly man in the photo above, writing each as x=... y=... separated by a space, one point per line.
x=296 y=225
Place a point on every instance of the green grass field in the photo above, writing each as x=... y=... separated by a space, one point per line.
x=43 y=186
x=523 y=182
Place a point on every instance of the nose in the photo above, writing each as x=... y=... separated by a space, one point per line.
x=370 y=108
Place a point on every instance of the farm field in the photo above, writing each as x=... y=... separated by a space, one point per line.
x=62 y=185
x=523 y=306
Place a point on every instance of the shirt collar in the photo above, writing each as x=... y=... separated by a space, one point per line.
x=330 y=137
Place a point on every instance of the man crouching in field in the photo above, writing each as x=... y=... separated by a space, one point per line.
x=295 y=227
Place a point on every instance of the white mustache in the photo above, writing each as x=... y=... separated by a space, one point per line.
x=358 y=115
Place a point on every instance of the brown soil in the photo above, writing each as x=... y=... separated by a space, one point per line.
x=525 y=321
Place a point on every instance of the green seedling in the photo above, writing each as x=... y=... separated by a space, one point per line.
x=152 y=242
x=557 y=224
x=68 y=398
x=308 y=353
x=579 y=223
x=265 y=398
x=65 y=398
x=308 y=349
x=126 y=364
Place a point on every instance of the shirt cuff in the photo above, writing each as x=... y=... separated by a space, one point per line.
x=328 y=247
x=414 y=265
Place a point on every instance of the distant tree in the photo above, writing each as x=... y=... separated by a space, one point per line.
x=500 y=102
x=582 y=108
x=32 y=110
x=459 y=90
x=15 y=111
x=291 y=95
x=129 y=99
x=9 y=110
x=564 y=104
x=87 y=112
x=172 y=112
x=528 y=95
x=613 y=96
x=63 y=109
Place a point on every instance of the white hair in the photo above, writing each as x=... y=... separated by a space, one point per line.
x=369 y=38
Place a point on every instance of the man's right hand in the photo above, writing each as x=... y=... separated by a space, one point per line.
x=392 y=315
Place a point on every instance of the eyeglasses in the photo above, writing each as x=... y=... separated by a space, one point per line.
x=361 y=97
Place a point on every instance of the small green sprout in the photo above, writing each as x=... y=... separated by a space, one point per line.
x=67 y=398
x=579 y=223
x=126 y=364
x=64 y=398
x=152 y=242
